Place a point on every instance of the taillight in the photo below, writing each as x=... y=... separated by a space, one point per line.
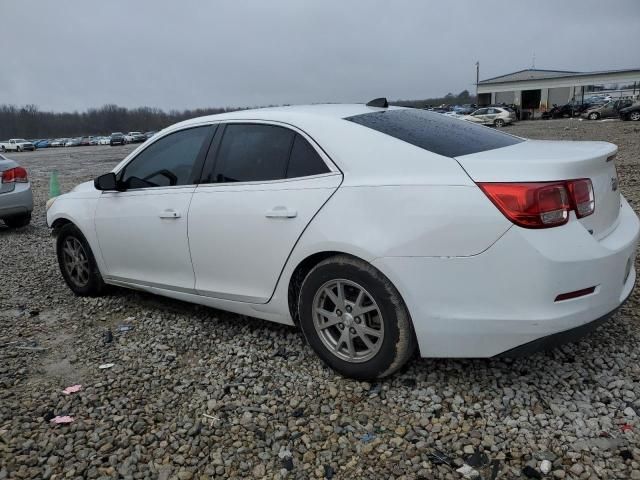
x=581 y=192
x=530 y=205
x=17 y=174
x=541 y=204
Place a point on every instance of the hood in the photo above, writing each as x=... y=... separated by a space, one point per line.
x=84 y=187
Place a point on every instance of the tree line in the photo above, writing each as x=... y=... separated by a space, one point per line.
x=30 y=122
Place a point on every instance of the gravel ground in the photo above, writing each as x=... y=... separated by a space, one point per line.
x=199 y=393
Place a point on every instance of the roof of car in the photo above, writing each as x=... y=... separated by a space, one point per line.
x=290 y=113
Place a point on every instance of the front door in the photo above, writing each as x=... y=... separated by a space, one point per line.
x=267 y=184
x=142 y=231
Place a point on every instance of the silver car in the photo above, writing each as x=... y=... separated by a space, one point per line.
x=496 y=116
x=16 y=200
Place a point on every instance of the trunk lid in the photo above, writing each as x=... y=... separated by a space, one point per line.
x=546 y=161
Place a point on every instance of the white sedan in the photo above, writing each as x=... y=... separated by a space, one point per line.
x=494 y=116
x=377 y=230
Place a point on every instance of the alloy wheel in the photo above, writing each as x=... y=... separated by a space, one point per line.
x=635 y=116
x=76 y=261
x=348 y=320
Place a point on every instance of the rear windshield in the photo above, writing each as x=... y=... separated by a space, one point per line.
x=435 y=132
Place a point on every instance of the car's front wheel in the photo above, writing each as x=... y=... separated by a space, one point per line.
x=77 y=263
x=355 y=319
x=635 y=116
x=498 y=122
x=593 y=116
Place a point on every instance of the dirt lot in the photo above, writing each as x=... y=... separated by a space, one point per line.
x=198 y=393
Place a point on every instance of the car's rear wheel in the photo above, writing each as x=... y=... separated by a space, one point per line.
x=635 y=116
x=498 y=123
x=593 y=116
x=18 y=221
x=355 y=319
x=77 y=263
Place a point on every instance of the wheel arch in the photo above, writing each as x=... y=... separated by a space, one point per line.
x=57 y=225
x=307 y=264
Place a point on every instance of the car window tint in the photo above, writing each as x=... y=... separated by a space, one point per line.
x=304 y=160
x=167 y=162
x=482 y=111
x=436 y=133
x=251 y=152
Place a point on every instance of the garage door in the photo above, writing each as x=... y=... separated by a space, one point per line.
x=505 y=97
x=559 y=96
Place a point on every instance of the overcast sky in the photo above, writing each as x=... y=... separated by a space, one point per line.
x=67 y=55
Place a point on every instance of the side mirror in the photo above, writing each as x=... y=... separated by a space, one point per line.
x=107 y=181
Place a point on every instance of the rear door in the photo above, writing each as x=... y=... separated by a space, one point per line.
x=266 y=182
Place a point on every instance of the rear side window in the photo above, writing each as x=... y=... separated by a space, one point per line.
x=434 y=132
x=250 y=153
x=304 y=160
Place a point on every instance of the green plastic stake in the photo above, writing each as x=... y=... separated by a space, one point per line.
x=54 y=185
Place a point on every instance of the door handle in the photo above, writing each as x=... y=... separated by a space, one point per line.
x=281 y=212
x=170 y=213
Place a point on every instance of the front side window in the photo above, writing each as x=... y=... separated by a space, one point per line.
x=252 y=152
x=168 y=162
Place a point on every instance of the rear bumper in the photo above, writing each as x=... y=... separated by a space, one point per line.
x=490 y=303
x=17 y=202
x=567 y=336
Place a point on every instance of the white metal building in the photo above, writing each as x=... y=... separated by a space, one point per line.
x=536 y=90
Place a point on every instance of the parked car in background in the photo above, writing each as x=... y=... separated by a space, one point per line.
x=104 y=140
x=597 y=99
x=59 y=142
x=610 y=109
x=496 y=116
x=408 y=237
x=73 y=142
x=16 y=145
x=631 y=113
x=465 y=109
x=42 y=144
x=454 y=114
x=150 y=134
x=85 y=141
x=16 y=199
x=117 y=138
x=135 y=137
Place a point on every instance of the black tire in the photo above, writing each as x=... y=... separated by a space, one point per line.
x=498 y=123
x=18 y=149
x=18 y=221
x=398 y=342
x=94 y=285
